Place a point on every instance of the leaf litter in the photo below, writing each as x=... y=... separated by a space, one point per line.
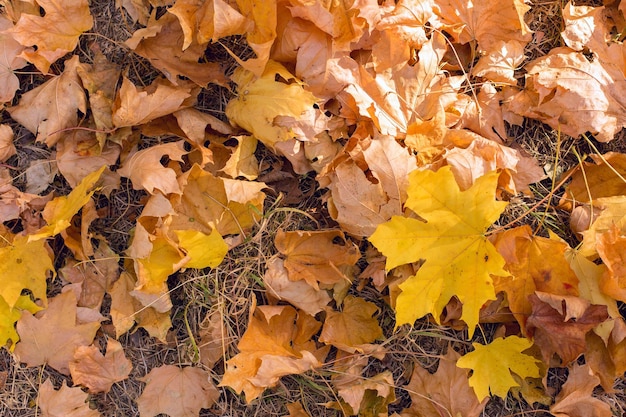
x=185 y=184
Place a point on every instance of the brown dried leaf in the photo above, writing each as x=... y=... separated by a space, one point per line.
x=324 y=256
x=446 y=392
x=298 y=293
x=53 y=105
x=98 y=372
x=146 y=172
x=52 y=335
x=353 y=327
x=162 y=43
x=559 y=324
x=576 y=397
x=9 y=61
x=178 y=392
x=55 y=34
x=66 y=402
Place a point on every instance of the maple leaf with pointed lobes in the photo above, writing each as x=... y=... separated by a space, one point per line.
x=97 y=372
x=459 y=260
x=67 y=402
x=9 y=316
x=493 y=363
x=52 y=337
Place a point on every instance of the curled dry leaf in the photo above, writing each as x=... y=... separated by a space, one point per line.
x=126 y=310
x=7 y=148
x=261 y=100
x=532 y=270
x=66 y=402
x=576 y=398
x=276 y=343
x=55 y=34
x=177 y=392
x=573 y=95
x=10 y=60
x=135 y=106
x=559 y=324
x=298 y=293
x=162 y=43
x=319 y=257
x=146 y=172
x=98 y=372
x=208 y=21
x=54 y=105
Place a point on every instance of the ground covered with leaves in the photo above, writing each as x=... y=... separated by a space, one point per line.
x=301 y=208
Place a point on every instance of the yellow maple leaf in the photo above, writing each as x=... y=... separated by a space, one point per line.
x=493 y=363
x=458 y=257
x=9 y=316
x=24 y=264
x=59 y=212
x=203 y=250
x=261 y=100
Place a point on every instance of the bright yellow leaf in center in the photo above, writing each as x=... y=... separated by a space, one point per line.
x=459 y=260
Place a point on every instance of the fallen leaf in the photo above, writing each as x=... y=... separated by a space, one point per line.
x=208 y=21
x=531 y=270
x=576 y=399
x=126 y=310
x=54 y=105
x=353 y=326
x=452 y=241
x=7 y=148
x=214 y=341
x=55 y=33
x=261 y=100
x=8 y=318
x=25 y=265
x=446 y=392
x=66 y=402
x=10 y=60
x=100 y=80
x=50 y=337
x=276 y=343
x=559 y=324
x=318 y=257
x=298 y=293
x=162 y=43
x=610 y=246
x=604 y=177
x=176 y=391
x=590 y=281
x=573 y=95
x=146 y=172
x=209 y=202
x=493 y=364
x=367 y=397
x=608 y=213
x=135 y=106
x=203 y=250
x=94 y=276
x=58 y=213
x=98 y=372
x=483 y=156
x=242 y=162
x=296 y=410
